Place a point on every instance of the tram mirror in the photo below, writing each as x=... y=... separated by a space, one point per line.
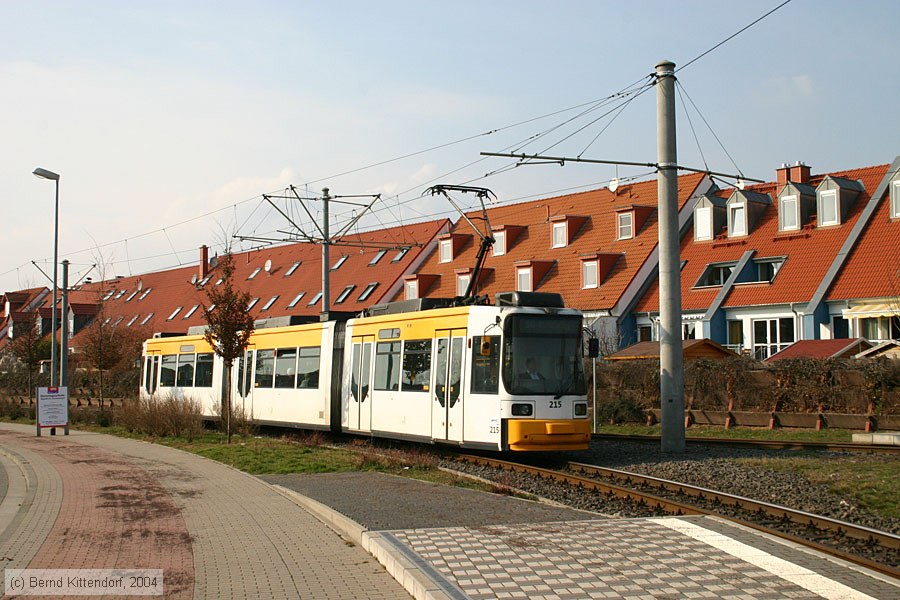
x=593 y=348
x=485 y=347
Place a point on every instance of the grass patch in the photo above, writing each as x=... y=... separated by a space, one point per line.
x=741 y=433
x=872 y=483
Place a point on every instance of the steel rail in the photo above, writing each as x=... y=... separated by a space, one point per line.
x=678 y=508
x=766 y=444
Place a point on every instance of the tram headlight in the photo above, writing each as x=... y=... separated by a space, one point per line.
x=522 y=410
x=581 y=409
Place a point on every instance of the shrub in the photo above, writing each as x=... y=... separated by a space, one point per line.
x=161 y=416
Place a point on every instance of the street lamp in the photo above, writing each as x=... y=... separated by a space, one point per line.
x=54 y=371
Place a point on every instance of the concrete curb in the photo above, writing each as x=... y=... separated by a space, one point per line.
x=415 y=574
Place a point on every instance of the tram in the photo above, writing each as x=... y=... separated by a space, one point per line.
x=507 y=376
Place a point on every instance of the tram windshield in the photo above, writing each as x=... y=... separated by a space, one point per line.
x=542 y=355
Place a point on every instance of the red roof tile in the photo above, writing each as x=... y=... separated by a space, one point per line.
x=809 y=253
x=533 y=243
x=843 y=348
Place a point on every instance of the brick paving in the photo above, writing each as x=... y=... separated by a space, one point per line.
x=96 y=501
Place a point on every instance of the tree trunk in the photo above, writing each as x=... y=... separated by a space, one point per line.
x=226 y=400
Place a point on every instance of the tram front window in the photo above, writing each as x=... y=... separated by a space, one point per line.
x=542 y=355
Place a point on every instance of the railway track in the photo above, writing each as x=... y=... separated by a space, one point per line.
x=876 y=550
x=762 y=444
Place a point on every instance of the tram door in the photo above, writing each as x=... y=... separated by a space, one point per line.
x=242 y=392
x=447 y=409
x=151 y=372
x=360 y=401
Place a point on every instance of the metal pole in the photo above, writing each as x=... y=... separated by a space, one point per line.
x=595 y=394
x=671 y=360
x=64 y=344
x=326 y=265
x=54 y=364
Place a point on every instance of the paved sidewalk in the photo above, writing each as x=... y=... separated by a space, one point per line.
x=96 y=501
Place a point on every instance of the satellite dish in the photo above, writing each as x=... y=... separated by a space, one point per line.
x=193 y=279
x=268 y=266
x=740 y=184
x=214 y=262
x=140 y=284
x=613 y=185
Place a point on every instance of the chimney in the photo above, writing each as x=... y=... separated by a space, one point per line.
x=799 y=173
x=782 y=175
x=204 y=261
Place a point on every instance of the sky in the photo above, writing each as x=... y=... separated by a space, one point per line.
x=168 y=121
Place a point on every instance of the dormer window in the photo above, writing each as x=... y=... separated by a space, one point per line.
x=788 y=214
x=523 y=279
x=737 y=220
x=462 y=283
x=339 y=262
x=411 y=288
x=828 y=208
x=767 y=268
x=625 y=225
x=499 y=247
x=446 y=250
x=715 y=274
x=589 y=274
x=559 y=236
x=703 y=223
x=895 y=199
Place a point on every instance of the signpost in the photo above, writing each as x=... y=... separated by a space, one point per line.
x=52 y=409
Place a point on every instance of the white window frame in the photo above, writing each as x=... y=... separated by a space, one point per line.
x=147 y=318
x=830 y=196
x=524 y=279
x=254 y=273
x=785 y=211
x=446 y=251
x=377 y=257
x=589 y=274
x=895 y=199
x=174 y=313
x=340 y=261
x=703 y=219
x=733 y=230
x=368 y=291
x=315 y=299
x=411 y=289
x=133 y=294
x=400 y=254
x=343 y=295
x=131 y=322
x=144 y=295
x=252 y=303
x=462 y=282
x=192 y=311
x=296 y=299
x=625 y=229
x=499 y=246
x=560 y=235
x=293 y=268
x=269 y=304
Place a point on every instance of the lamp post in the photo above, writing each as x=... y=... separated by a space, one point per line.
x=54 y=368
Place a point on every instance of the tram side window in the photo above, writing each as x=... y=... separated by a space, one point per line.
x=265 y=368
x=167 y=370
x=204 y=371
x=148 y=370
x=416 y=366
x=185 y=376
x=387 y=366
x=308 y=367
x=285 y=367
x=485 y=364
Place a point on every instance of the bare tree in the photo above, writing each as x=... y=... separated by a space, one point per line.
x=26 y=345
x=229 y=327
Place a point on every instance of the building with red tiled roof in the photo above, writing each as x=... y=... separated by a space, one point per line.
x=757 y=262
x=822 y=349
x=865 y=298
x=16 y=308
x=283 y=281
x=597 y=249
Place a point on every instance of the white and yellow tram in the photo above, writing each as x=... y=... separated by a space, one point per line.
x=504 y=377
